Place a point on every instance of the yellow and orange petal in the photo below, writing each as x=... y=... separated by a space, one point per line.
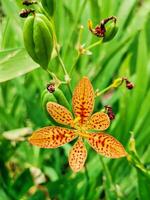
x=83 y=100
x=98 y=121
x=51 y=137
x=59 y=113
x=77 y=156
x=107 y=145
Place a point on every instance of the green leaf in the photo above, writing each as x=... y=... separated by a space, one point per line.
x=143 y=186
x=23 y=183
x=14 y=63
x=38 y=196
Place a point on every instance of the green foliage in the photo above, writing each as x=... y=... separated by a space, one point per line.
x=22 y=84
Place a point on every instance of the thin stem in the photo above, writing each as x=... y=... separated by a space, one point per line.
x=104 y=90
x=106 y=170
x=61 y=62
x=94 y=44
x=78 y=46
x=65 y=71
x=79 y=54
x=74 y=64
x=78 y=16
x=43 y=10
x=51 y=74
x=87 y=180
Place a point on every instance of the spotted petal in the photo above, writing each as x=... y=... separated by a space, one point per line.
x=51 y=137
x=99 y=121
x=59 y=113
x=77 y=156
x=83 y=100
x=107 y=145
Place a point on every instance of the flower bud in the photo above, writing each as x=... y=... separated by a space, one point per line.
x=109 y=112
x=129 y=85
x=25 y=12
x=28 y=3
x=106 y=30
x=51 y=87
x=111 y=30
x=38 y=39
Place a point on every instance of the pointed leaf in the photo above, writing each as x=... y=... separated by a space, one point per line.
x=59 y=113
x=77 y=156
x=51 y=137
x=107 y=145
x=83 y=100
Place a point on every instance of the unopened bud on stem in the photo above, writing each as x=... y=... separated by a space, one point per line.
x=51 y=87
x=107 y=28
x=109 y=111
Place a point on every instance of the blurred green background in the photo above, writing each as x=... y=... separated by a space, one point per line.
x=27 y=172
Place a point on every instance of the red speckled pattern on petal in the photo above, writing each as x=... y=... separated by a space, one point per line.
x=99 y=121
x=52 y=137
x=83 y=100
x=77 y=156
x=59 y=113
x=107 y=145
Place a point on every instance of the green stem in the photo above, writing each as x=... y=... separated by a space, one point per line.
x=43 y=10
x=61 y=62
x=51 y=74
x=79 y=54
x=94 y=45
x=65 y=71
x=87 y=180
x=109 y=182
x=104 y=90
x=106 y=170
x=75 y=25
x=74 y=64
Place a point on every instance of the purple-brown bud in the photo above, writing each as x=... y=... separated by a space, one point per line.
x=51 y=87
x=25 y=12
x=107 y=32
x=129 y=84
x=28 y=3
x=109 y=112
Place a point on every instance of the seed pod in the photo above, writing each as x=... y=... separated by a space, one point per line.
x=61 y=99
x=48 y=97
x=49 y=6
x=107 y=28
x=38 y=39
x=111 y=31
x=28 y=38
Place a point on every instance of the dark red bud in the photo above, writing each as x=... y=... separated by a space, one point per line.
x=129 y=85
x=25 y=12
x=100 y=31
x=51 y=87
x=28 y=3
x=109 y=112
x=111 y=115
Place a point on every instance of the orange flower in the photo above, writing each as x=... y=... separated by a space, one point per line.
x=83 y=104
